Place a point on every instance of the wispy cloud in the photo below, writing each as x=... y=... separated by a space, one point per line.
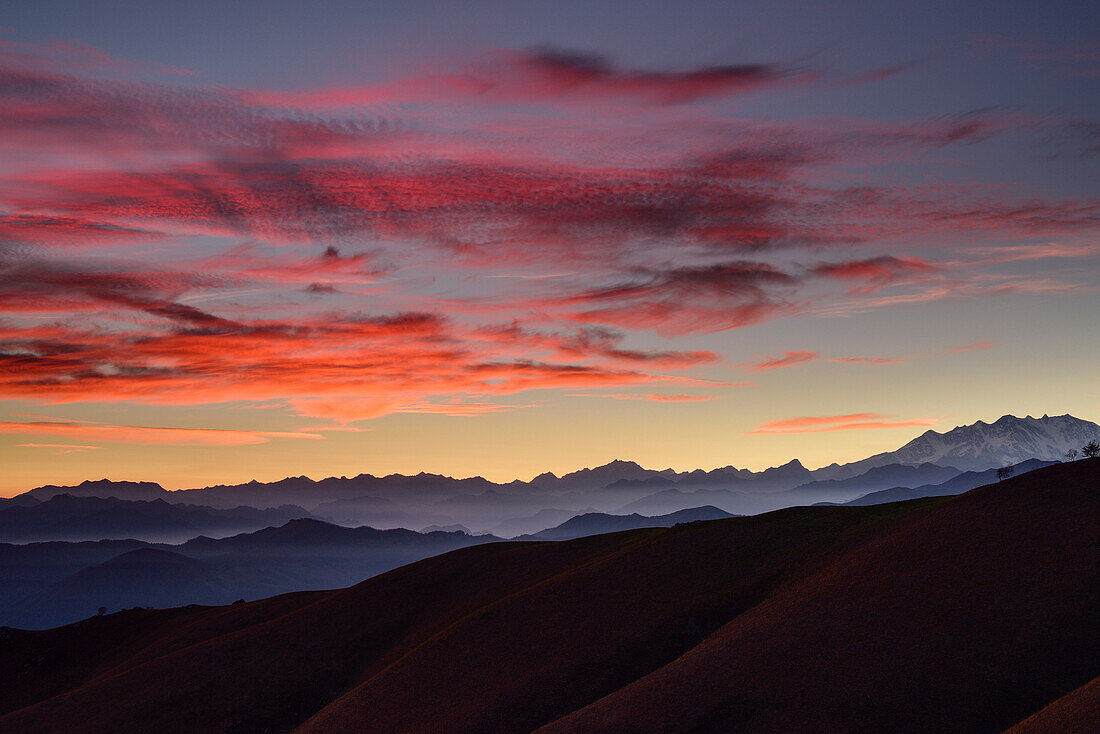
x=789 y=359
x=176 y=244
x=850 y=422
x=148 y=435
x=59 y=448
x=663 y=398
x=976 y=346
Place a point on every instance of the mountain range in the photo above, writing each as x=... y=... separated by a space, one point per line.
x=89 y=517
x=47 y=584
x=972 y=613
x=621 y=487
x=595 y=523
x=157 y=548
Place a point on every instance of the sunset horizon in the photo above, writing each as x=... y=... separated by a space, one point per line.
x=505 y=245
x=583 y=366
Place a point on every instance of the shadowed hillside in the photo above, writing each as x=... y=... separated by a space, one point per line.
x=965 y=613
x=1074 y=713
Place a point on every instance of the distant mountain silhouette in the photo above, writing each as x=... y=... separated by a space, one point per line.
x=446 y=529
x=600 y=476
x=957 y=614
x=880 y=477
x=676 y=499
x=420 y=487
x=594 y=523
x=624 y=487
x=28 y=569
x=956 y=485
x=142 y=577
x=48 y=584
x=541 y=520
x=65 y=517
x=104 y=488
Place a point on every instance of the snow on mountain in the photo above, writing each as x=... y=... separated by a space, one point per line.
x=1008 y=440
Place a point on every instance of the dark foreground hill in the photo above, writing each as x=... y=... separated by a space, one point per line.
x=958 y=614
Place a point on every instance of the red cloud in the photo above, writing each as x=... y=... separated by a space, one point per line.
x=676 y=221
x=340 y=367
x=51 y=231
x=881 y=269
x=330 y=267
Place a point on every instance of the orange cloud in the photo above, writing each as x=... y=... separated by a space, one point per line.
x=826 y=423
x=672 y=223
x=59 y=448
x=147 y=434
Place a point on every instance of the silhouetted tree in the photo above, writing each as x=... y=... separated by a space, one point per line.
x=1071 y=455
x=1091 y=449
x=101 y=611
x=1004 y=472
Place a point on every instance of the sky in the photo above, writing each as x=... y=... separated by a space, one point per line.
x=253 y=240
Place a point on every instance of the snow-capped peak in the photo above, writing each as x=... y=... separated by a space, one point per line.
x=1008 y=440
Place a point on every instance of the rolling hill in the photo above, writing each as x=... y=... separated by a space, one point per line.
x=957 y=614
x=594 y=523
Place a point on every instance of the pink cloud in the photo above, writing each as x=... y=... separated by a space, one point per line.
x=673 y=219
x=788 y=359
x=819 y=420
x=881 y=269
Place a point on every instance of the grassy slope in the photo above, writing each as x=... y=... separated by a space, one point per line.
x=968 y=619
x=1077 y=712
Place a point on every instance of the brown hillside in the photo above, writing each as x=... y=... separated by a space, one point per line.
x=966 y=619
x=1074 y=713
x=959 y=614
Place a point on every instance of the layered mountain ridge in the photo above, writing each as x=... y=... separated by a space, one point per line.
x=619 y=487
x=901 y=617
